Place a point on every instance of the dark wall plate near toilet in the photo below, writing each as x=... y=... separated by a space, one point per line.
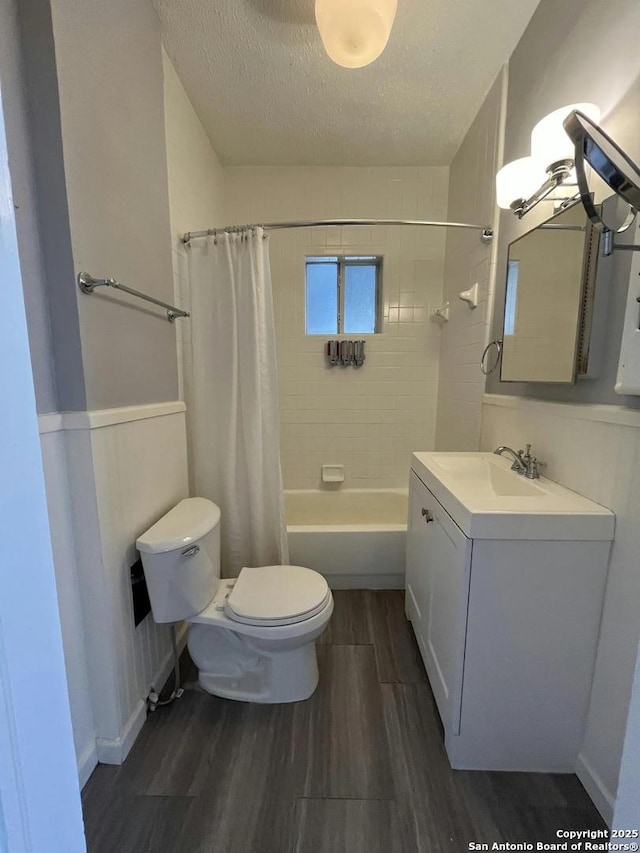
x=141 y=603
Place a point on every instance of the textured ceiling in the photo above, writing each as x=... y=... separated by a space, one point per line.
x=268 y=94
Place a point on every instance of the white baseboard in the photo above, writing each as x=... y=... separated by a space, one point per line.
x=87 y=763
x=602 y=798
x=371 y=581
x=115 y=750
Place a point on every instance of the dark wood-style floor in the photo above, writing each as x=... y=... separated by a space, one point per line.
x=358 y=768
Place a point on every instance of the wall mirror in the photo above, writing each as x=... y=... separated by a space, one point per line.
x=549 y=299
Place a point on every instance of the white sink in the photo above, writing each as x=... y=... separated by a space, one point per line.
x=489 y=501
x=487 y=474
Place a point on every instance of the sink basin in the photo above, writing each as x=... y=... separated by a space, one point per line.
x=488 y=500
x=487 y=472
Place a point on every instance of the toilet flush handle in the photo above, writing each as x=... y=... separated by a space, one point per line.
x=191 y=552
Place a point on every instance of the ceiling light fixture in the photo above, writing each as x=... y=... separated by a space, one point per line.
x=524 y=183
x=355 y=32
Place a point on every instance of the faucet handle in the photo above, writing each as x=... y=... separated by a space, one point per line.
x=533 y=467
x=525 y=455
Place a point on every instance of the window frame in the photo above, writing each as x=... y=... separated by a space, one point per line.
x=343 y=261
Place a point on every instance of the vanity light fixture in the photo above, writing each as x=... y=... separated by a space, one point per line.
x=551 y=145
x=355 y=32
x=524 y=183
x=517 y=181
x=562 y=144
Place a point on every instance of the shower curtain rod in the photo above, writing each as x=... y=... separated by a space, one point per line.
x=486 y=234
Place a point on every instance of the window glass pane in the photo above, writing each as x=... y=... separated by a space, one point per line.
x=322 y=299
x=359 y=299
x=511 y=299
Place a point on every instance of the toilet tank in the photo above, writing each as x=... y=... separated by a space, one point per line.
x=181 y=559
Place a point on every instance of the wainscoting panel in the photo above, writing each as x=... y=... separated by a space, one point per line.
x=54 y=463
x=125 y=468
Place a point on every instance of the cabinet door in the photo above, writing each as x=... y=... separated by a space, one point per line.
x=417 y=583
x=438 y=563
x=448 y=560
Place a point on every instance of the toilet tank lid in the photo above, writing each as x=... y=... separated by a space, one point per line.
x=188 y=521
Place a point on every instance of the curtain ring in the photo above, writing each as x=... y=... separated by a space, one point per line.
x=483 y=361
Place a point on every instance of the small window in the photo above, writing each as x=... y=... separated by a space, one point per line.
x=343 y=295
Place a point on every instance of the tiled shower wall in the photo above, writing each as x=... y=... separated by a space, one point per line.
x=369 y=419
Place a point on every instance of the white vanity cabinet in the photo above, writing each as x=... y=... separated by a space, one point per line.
x=437 y=581
x=507 y=627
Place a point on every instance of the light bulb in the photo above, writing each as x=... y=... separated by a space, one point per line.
x=355 y=32
x=550 y=143
x=518 y=180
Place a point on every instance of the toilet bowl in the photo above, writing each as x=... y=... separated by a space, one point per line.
x=251 y=637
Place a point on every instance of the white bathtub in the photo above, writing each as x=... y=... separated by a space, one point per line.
x=354 y=537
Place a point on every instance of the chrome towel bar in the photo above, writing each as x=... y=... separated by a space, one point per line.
x=87 y=284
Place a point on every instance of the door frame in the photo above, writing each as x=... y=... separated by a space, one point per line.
x=40 y=809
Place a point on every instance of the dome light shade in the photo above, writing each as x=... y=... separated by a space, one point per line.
x=355 y=32
x=518 y=180
x=550 y=143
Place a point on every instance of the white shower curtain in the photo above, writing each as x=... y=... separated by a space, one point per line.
x=233 y=403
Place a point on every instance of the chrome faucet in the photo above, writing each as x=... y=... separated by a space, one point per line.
x=518 y=462
x=523 y=461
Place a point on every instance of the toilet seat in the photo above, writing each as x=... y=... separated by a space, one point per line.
x=276 y=595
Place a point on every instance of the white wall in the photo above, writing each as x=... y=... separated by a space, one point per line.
x=594 y=450
x=110 y=82
x=370 y=418
x=464 y=336
x=195 y=176
x=196 y=194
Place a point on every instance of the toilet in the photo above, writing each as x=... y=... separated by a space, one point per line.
x=251 y=637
